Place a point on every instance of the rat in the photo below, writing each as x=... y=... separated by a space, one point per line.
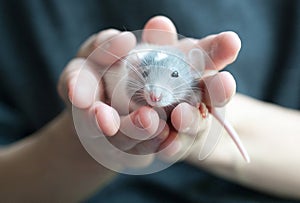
x=161 y=77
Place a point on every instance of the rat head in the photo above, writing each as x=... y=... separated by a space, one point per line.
x=161 y=79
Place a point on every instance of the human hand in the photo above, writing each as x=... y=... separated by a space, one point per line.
x=79 y=92
x=271 y=140
x=222 y=49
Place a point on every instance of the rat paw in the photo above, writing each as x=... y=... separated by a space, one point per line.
x=203 y=110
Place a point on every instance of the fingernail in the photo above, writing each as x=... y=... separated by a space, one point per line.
x=71 y=88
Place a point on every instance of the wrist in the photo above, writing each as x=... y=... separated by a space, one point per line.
x=60 y=138
x=66 y=160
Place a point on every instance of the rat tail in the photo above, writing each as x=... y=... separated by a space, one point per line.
x=232 y=133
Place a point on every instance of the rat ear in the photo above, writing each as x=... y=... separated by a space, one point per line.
x=197 y=60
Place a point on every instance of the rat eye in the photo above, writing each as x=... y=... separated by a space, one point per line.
x=174 y=74
x=145 y=74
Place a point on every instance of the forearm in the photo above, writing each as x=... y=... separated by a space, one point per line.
x=271 y=135
x=50 y=165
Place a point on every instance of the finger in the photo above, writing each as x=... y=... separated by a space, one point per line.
x=83 y=83
x=78 y=84
x=107 y=46
x=107 y=118
x=222 y=49
x=152 y=145
x=64 y=82
x=69 y=89
x=170 y=147
x=95 y=41
x=113 y=49
x=159 y=30
x=141 y=124
x=218 y=89
x=135 y=128
x=187 y=119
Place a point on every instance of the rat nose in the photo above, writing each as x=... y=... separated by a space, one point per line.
x=155 y=97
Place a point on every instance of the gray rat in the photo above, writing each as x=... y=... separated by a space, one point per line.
x=162 y=76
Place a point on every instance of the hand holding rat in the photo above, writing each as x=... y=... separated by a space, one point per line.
x=222 y=48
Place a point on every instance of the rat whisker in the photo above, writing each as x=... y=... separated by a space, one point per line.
x=189 y=97
x=138 y=95
x=173 y=105
x=136 y=71
x=185 y=92
x=133 y=88
x=113 y=73
x=181 y=85
x=139 y=100
x=185 y=100
x=136 y=83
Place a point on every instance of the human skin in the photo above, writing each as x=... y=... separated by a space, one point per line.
x=271 y=135
x=258 y=123
x=51 y=164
